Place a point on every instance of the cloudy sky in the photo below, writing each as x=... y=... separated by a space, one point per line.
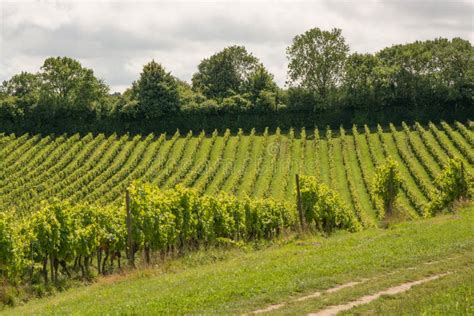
x=116 y=38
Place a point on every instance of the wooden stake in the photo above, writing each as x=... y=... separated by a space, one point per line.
x=299 y=204
x=131 y=253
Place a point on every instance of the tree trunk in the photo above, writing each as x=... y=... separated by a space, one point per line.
x=119 y=255
x=64 y=266
x=51 y=267
x=79 y=263
x=104 y=263
x=45 y=269
x=147 y=255
x=99 y=260
x=56 y=266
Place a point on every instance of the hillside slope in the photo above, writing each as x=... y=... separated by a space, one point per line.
x=287 y=277
x=98 y=168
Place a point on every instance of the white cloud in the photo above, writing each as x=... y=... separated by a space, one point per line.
x=116 y=38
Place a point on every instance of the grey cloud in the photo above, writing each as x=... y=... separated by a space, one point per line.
x=116 y=39
x=72 y=40
x=434 y=9
x=402 y=9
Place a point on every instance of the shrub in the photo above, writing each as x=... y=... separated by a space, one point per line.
x=180 y=217
x=453 y=184
x=323 y=208
x=387 y=183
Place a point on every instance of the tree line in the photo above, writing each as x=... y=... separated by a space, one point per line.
x=323 y=76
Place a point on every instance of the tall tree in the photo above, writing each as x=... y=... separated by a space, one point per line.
x=428 y=73
x=262 y=89
x=69 y=88
x=316 y=61
x=156 y=91
x=224 y=73
x=360 y=80
x=24 y=90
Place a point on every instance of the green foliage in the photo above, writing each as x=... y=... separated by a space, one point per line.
x=323 y=208
x=423 y=74
x=454 y=183
x=224 y=73
x=182 y=218
x=60 y=232
x=300 y=99
x=262 y=90
x=67 y=87
x=235 y=104
x=422 y=80
x=360 y=80
x=23 y=90
x=97 y=169
x=316 y=61
x=189 y=99
x=386 y=186
x=11 y=248
x=156 y=92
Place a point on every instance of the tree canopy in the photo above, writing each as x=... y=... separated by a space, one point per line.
x=156 y=91
x=224 y=73
x=67 y=86
x=432 y=76
x=316 y=61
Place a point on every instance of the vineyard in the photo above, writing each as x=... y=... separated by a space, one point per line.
x=98 y=168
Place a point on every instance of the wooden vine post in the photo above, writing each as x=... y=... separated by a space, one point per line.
x=131 y=253
x=299 y=204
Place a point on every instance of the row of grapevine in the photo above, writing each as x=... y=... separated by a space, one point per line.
x=431 y=145
x=285 y=186
x=98 y=168
x=332 y=165
x=118 y=179
x=153 y=171
x=137 y=172
x=420 y=153
x=188 y=164
x=229 y=165
x=237 y=182
x=199 y=169
x=412 y=198
x=316 y=150
x=211 y=172
x=263 y=154
x=459 y=142
x=364 y=171
x=15 y=150
x=84 y=179
x=275 y=152
x=43 y=163
x=172 y=164
x=44 y=145
x=70 y=235
x=468 y=135
x=45 y=171
x=358 y=208
x=324 y=209
x=409 y=161
x=109 y=170
x=75 y=167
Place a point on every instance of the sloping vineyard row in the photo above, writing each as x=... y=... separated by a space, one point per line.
x=98 y=168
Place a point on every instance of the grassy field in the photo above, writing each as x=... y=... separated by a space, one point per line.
x=98 y=168
x=242 y=281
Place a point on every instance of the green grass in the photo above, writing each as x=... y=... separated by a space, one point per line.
x=238 y=281
x=450 y=295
